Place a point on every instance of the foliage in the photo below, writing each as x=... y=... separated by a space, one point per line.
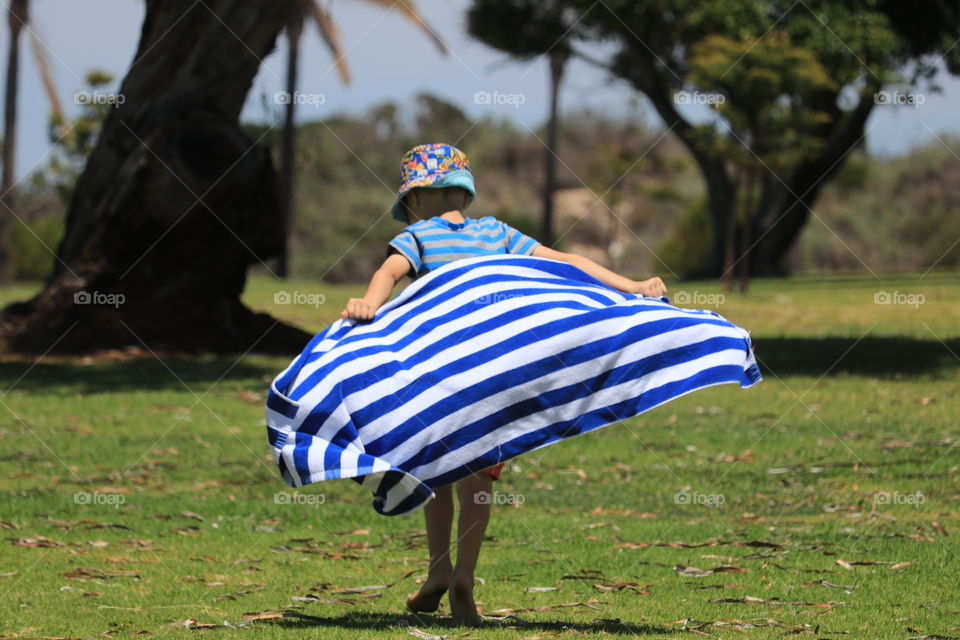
x=689 y=240
x=537 y=27
x=32 y=243
x=73 y=141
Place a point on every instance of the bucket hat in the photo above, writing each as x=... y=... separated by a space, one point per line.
x=433 y=166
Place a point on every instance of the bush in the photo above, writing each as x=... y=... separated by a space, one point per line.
x=30 y=255
x=687 y=246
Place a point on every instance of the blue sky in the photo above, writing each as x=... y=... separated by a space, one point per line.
x=390 y=60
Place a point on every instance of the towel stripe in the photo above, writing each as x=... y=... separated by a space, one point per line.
x=480 y=361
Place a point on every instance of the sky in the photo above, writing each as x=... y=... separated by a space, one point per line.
x=390 y=60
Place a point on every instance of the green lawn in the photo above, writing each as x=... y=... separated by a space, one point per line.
x=138 y=495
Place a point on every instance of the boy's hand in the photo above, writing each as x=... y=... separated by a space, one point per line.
x=652 y=287
x=359 y=309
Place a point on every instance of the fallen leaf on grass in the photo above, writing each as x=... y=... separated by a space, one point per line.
x=91 y=524
x=83 y=573
x=254 y=588
x=416 y=633
x=696 y=545
x=939 y=528
x=190 y=530
x=540 y=589
x=591 y=603
x=584 y=574
x=824 y=583
x=371 y=587
x=39 y=541
x=620 y=586
x=704 y=587
x=263 y=615
x=776 y=602
x=855 y=563
x=694 y=572
x=693 y=625
x=251 y=397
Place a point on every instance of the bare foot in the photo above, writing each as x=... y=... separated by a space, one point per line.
x=462 y=606
x=428 y=596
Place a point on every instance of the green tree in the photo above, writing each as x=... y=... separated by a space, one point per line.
x=768 y=125
x=665 y=47
x=72 y=142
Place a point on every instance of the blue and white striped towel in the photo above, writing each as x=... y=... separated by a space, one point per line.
x=480 y=361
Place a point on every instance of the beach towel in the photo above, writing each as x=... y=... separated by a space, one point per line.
x=480 y=361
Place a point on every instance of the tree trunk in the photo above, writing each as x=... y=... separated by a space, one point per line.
x=16 y=19
x=175 y=201
x=557 y=62
x=288 y=138
x=783 y=209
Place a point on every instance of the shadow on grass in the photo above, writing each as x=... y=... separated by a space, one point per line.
x=870 y=357
x=72 y=376
x=361 y=620
x=875 y=357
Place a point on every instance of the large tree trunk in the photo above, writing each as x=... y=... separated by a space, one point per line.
x=16 y=19
x=175 y=201
x=785 y=208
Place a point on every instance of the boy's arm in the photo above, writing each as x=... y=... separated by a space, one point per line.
x=379 y=289
x=653 y=287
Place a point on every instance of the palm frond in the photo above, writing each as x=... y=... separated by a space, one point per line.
x=46 y=76
x=408 y=9
x=331 y=36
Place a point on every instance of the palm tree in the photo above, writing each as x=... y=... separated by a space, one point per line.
x=301 y=11
x=17 y=17
x=537 y=28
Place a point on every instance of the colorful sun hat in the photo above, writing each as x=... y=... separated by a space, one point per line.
x=435 y=166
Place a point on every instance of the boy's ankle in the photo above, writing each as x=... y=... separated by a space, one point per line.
x=440 y=569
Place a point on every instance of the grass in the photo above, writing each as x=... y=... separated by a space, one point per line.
x=138 y=495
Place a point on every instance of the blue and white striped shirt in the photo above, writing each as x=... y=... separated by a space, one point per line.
x=429 y=244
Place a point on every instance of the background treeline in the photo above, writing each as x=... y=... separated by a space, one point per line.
x=885 y=214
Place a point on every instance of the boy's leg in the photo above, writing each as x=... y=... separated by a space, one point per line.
x=438 y=514
x=475 y=497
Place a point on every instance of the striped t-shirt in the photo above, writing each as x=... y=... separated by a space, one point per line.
x=432 y=243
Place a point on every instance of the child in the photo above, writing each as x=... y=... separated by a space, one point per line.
x=437 y=185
